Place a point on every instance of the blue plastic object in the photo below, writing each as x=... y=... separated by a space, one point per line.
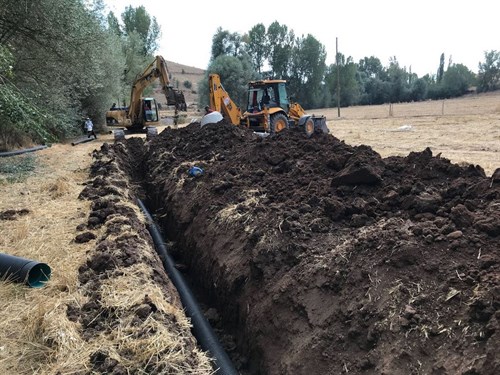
x=195 y=171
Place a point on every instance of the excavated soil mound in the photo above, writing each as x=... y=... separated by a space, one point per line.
x=132 y=318
x=323 y=258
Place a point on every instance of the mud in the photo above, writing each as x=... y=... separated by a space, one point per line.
x=323 y=258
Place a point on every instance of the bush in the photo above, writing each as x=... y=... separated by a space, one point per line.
x=188 y=84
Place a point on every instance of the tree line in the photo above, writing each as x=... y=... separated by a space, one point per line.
x=64 y=60
x=277 y=52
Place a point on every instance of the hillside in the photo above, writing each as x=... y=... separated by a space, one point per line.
x=180 y=74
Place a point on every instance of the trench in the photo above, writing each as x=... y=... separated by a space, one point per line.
x=222 y=314
x=303 y=252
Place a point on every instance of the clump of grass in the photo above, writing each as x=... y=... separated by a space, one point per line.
x=16 y=168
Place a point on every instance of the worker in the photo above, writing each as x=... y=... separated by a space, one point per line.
x=208 y=110
x=89 y=127
x=266 y=98
x=148 y=111
x=176 y=118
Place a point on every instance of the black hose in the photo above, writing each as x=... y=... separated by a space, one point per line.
x=21 y=270
x=23 y=151
x=82 y=141
x=201 y=327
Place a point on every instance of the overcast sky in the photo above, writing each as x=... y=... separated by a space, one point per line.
x=415 y=32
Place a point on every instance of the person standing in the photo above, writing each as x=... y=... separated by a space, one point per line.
x=89 y=126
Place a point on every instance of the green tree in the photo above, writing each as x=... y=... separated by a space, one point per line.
x=137 y=20
x=418 y=89
x=456 y=80
x=371 y=67
x=349 y=85
x=489 y=72
x=62 y=66
x=225 y=43
x=257 y=46
x=114 y=24
x=307 y=72
x=280 y=50
x=372 y=78
x=235 y=73
x=398 y=78
x=440 y=71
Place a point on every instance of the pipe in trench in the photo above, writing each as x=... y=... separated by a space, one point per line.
x=82 y=141
x=201 y=327
x=21 y=270
x=23 y=151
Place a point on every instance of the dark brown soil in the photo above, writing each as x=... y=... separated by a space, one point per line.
x=13 y=214
x=123 y=242
x=323 y=258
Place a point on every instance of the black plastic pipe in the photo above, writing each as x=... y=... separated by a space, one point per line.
x=84 y=140
x=23 y=151
x=21 y=270
x=201 y=327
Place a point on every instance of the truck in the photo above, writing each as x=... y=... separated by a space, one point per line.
x=142 y=112
x=268 y=110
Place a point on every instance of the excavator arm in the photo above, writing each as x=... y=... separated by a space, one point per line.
x=157 y=69
x=174 y=96
x=221 y=102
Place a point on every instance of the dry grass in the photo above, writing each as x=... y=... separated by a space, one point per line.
x=45 y=234
x=464 y=130
x=36 y=335
x=241 y=210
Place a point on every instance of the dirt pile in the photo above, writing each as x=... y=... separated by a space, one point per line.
x=131 y=320
x=323 y=258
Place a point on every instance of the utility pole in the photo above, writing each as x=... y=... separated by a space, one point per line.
x=338 y=74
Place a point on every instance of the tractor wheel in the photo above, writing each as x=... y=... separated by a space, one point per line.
x=119 y=135
x=279 y=122
x=151 y=132
x=309 y=127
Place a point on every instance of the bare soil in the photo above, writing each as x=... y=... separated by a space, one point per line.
x=321 y=257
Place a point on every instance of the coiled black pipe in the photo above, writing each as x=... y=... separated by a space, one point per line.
x=23 y=151
x=21 y=270
x=201 y=328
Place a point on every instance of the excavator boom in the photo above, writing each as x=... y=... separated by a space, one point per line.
x=157 y=69
x=143 y=111
x=221 y=102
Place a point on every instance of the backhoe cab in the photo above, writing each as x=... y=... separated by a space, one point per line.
x=268 y=110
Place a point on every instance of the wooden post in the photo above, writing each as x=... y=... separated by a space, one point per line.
x=338 y=75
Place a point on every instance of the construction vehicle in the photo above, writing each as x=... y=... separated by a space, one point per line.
x=269 y=109
x=143 y=112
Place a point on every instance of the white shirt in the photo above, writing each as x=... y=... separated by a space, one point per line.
x=88 y=125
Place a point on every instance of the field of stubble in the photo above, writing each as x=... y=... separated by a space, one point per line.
x=464 y=130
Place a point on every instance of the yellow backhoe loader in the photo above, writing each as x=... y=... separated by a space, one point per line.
x=143 y=112
x=269 y=109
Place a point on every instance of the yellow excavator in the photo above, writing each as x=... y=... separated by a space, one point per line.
x=143 y=112
x=269 y=109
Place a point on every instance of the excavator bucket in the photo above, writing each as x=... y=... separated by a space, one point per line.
x=176 y=97
x=320 y=124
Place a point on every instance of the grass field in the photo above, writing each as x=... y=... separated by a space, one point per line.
x=464 y=130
